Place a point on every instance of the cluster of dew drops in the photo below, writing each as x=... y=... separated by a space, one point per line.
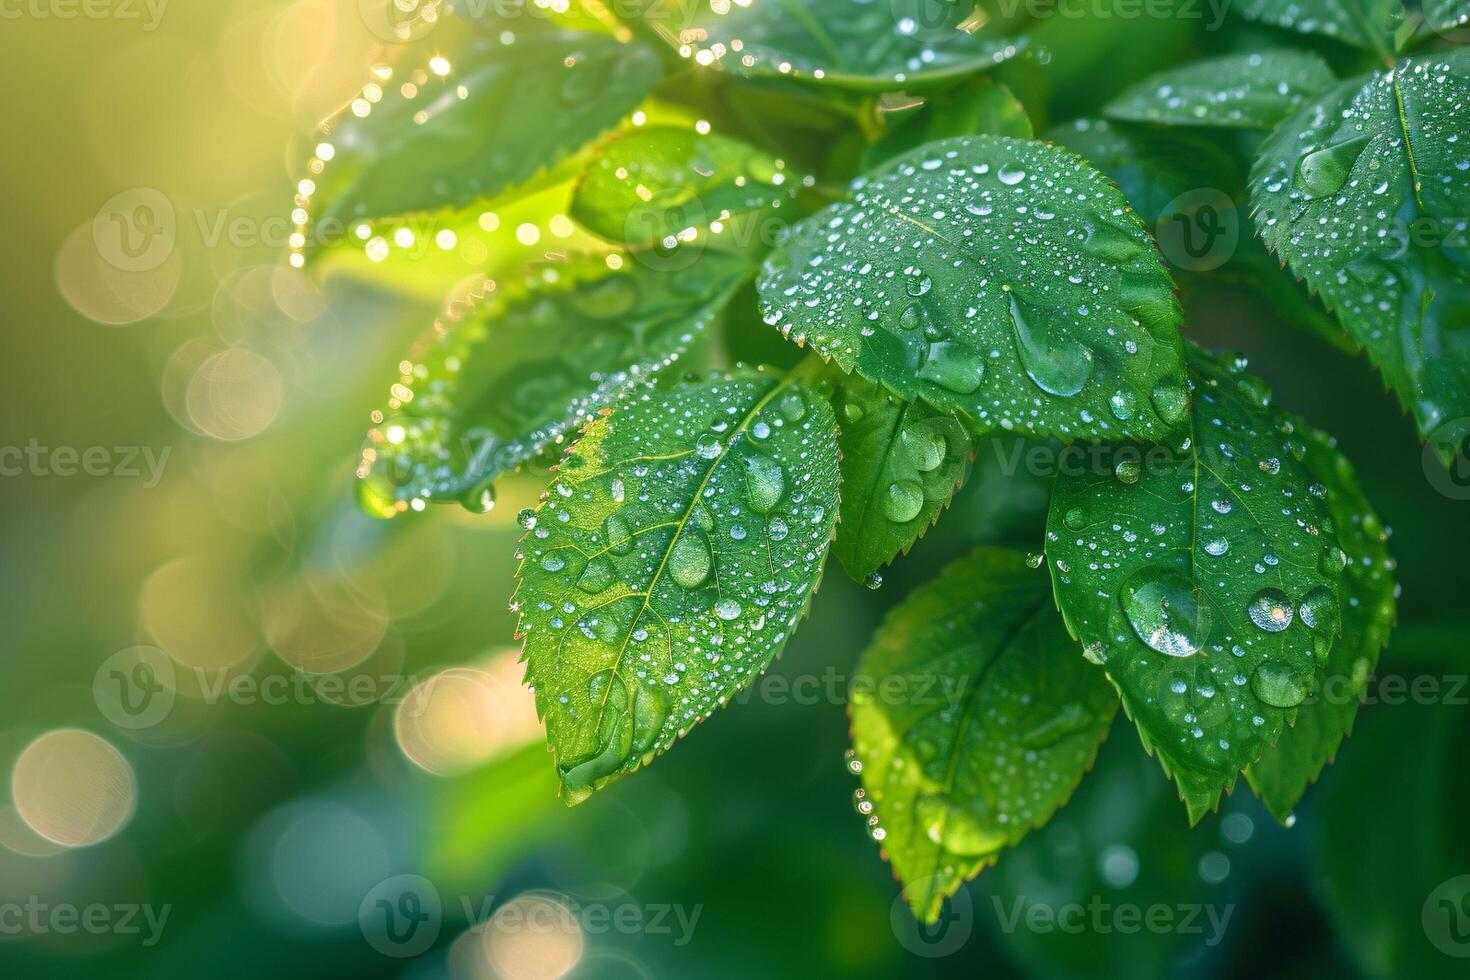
x=713 y=584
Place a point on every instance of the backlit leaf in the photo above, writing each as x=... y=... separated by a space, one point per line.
x=1371 y=24
x=981 y=719
x=485 y=115
x=857 y=45
x=649 y=184
x=998 y=278
x=672 y=557
x=534 y=362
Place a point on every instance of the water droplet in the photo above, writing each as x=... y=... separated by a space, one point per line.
x=1318 y=610
x=526 y=519
x=1034 y=559
x=903 y=501
x=597 y=576
x=479 y=499
x=764 y=483
x=1278 y=685
x=919 y=284
x=951 y=366
x=873 y=580
x=1058 y=364
x=1216 y=546
x=1171 y=402
x=727 y=609
x=690 y=561
x=1165 y=611
x=707 y=446
x=1074 y=519
x=792 y=406
x=1128 y=470
x=912 y=317
x=1322 y=173
x=924 y=447
x=1270 y=609
x=619 y=538
x=1122 y=404
x=553 y=562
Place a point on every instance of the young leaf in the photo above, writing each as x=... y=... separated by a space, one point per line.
x=901 y=464
x=487 y=115
x=995 y=719
x=1002 y=279
x=1370 y=24
x=530 y=367
x=673 y=555
x=1185 y=575
x=1248 y=91
x=1282 y=774
x=979 y=106
x=1364 y=193
x=853 y=45
x=648 y=185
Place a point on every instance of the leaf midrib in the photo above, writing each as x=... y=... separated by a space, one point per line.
x=674 y=539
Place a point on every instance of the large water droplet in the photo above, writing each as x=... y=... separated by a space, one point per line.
x=619 y=538
x=690 y=561
x=950 y=366
x=1318 y=610
x=598 y=575
x=1058 y=364
x=1165 y=612
x=1270 y=609
x=1278 y=685
x=923 y=447
x=764 y=483
x=1171 y=402
x=1322 y=173
x=903 y=501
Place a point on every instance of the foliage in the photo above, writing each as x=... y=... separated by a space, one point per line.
x=1216 y=570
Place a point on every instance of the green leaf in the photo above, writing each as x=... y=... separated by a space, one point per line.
x=485 y=116
x=1370 y=24
x=650 y=184
x=1247 y=91
x=1185 y=572
x=901 y=464
x=527 y=368
x=1151 y=166
x=979 y=106
x=674 y=554
x=853 y=45
x=1448 y=17
x=1364 y=193
x=1282 y=775
x=998 y=278
x=980 y=722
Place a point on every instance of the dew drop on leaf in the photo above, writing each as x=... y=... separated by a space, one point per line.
x=1164 y=612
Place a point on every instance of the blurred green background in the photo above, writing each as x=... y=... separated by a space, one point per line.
x=305 y=747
